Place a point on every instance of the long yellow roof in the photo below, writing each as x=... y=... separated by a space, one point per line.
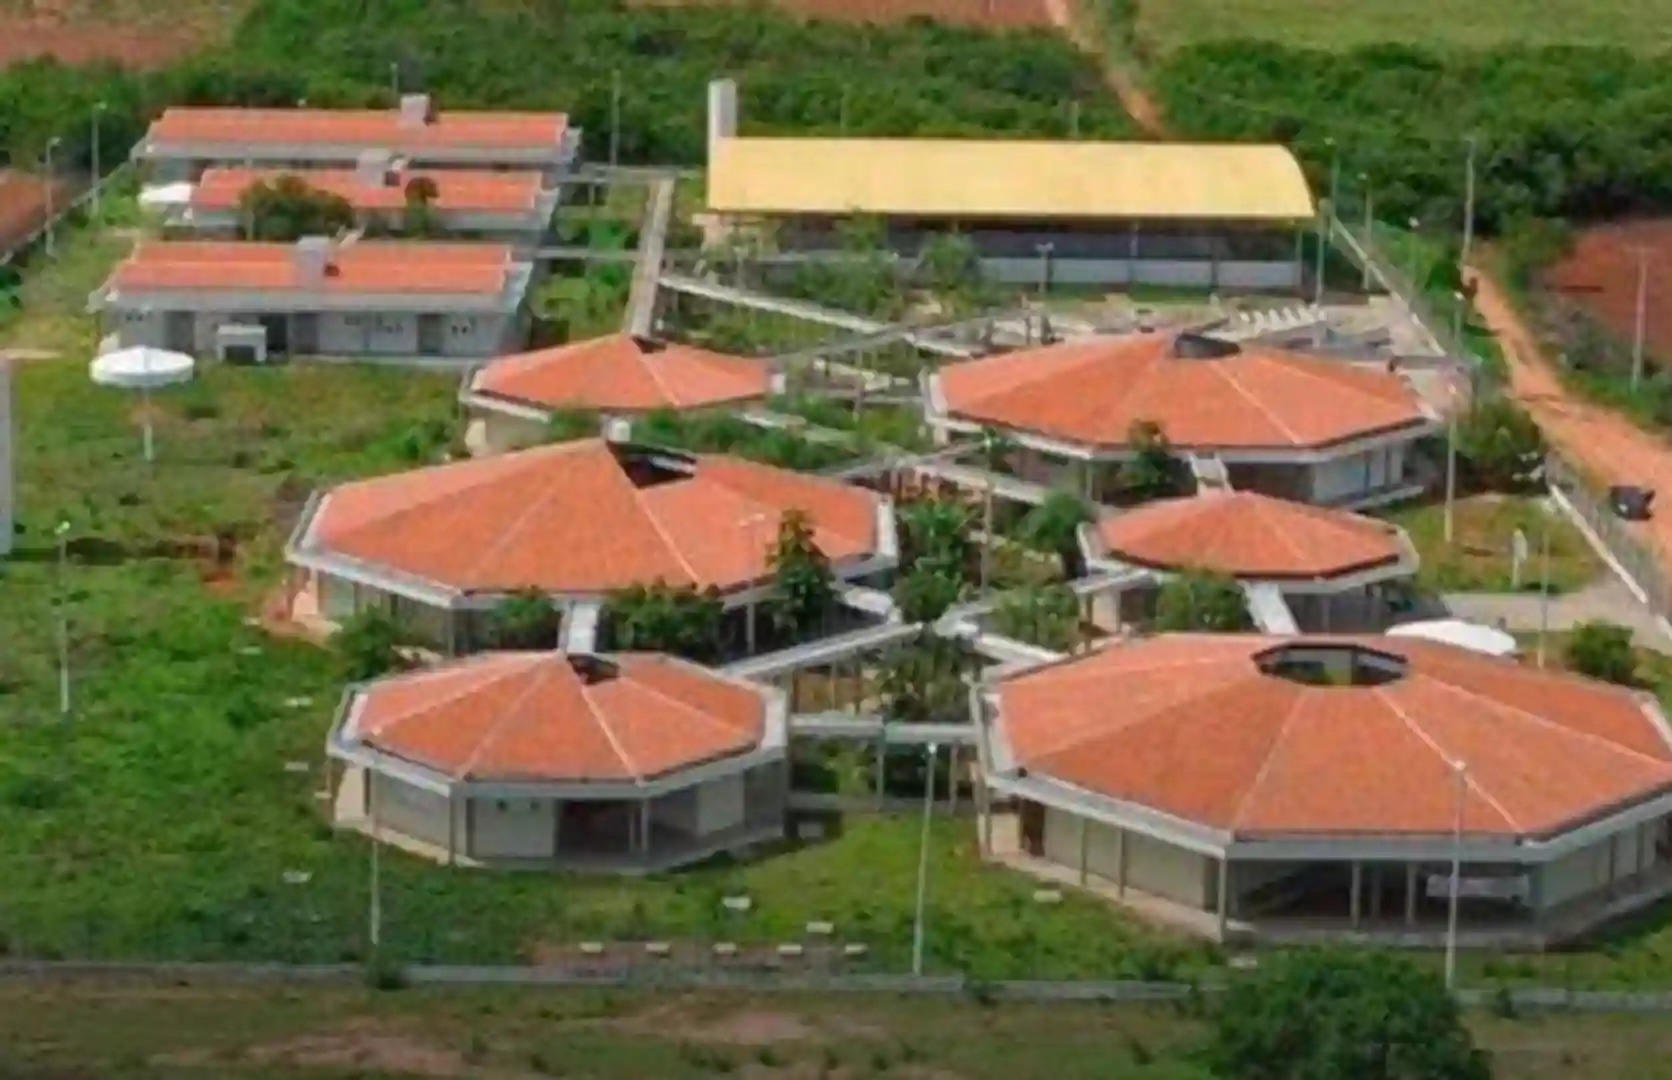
x=975 y=178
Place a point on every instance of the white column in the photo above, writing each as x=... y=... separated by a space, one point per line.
x=1224 y=895
x=1410 y=894
x=1355 y=905
x=1120 y=863
x=1085 y=843
x=452 y=827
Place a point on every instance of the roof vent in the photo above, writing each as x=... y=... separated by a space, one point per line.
x=1202 y=347
x=370 y=167
x=1331 y=664
x=648 y=345
x=592 y=670
x=650 y=466
x=416 y=110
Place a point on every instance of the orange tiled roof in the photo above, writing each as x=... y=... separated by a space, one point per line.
x=366 y=266
x=1090 y=392
x=375 y=128
x=537 y=716
x=457 y=190
x=1187 y=724
x=626 y=373
x=569 y=518
x=1248 y=535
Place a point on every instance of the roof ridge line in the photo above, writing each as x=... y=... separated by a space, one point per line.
x=1583 y=736
x=430 y=703
x=1450 y=762
x=609 y=733
x=1231 y=380
x=1069 y=741
x=712 y=720
x=1316 y=372
x=516 y=524
x=542 y=673
x=1266 y=765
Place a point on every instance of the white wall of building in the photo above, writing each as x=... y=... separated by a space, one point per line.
x=404 y=808
x=513 y=828
x=1591 y=869
x=348 y=334
x=1273 y=276
x=1152 y=866
x=1357 y=474
x=720 y=805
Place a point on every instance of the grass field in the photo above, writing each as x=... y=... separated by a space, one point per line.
x=145 y=1031
x=165 y=815
x=1329 y=24
x=1483 y=530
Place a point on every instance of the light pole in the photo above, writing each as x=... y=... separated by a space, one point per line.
x=987 y=514
x=1468 y=199
x=62 y=532
x=1543 y=590
x=1462 y=773
x=615 y=117
x=98 y=176
x=923 y=861
x=374 y=915
x=1369 y=227
x=1642 y=308
x=51 y=213
x=1318 y=275
x=395 y=80
x=1044 y=250
x=1334 y=170
x=1451 y=463
x=1416 y=257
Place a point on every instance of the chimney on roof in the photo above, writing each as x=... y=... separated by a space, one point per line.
x=371 y=168
x=394 y=175
x=416 y=110
x=313 y=258
x=722 y=112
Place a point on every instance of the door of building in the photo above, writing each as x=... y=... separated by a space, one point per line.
x=432 y=335
x=1032 y=821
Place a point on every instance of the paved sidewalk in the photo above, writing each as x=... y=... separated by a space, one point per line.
x=1607 y=599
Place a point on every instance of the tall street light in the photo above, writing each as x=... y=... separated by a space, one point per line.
x=1638 y=318
x=1469 y=141
x=1461 y=771
x=923 y=860
x=51 y=213
x=98 y=177
x=1369 y=226
x=62 y=532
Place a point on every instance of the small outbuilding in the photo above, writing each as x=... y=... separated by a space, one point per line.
x=634 y=762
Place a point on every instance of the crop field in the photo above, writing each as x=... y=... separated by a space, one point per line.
x=133 y=33
x=1644 y=25
x=1600 y=275
x=998 y=14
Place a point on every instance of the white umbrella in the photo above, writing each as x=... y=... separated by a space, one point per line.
x=144 y=369
x=1461 y=633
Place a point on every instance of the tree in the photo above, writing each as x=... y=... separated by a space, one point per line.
x=526 y=620
x=803 y=589
x=665 y=618
x=370 y=643
x=922 y=682
x=1499 y=445
x=1043 y=615
x=1201 y=600
x=418 y=218
x=1152 y=470
x=1603 y=650
x=1341 y=1015
x=949 y=266
x=936 y=548
x=288 y=208
x=1054 y=526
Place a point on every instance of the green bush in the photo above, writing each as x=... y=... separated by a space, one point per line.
x=1603 y=650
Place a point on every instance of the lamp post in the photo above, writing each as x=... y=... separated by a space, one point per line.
x=374 y=915
x=395 y=80
x=1334 y=170
x=1323 y=243
x=62 y=532
x=51 y=213
x=1369 y=227
x=1469 y=141
x=923 y=861
x=615 y=117
x=98 y=176
x=1462 y=774
x=1543 y=589
x=1416 y=257
x=1638 y=317
x=1451 y=463
x=1044 y=250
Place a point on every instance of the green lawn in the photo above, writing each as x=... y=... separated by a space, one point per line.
x=1644 y=26
x=163 y=817
x=1483 y=529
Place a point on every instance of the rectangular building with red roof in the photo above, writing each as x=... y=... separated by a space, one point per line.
x=185 y=140
x=480 y=204
x=318 y=297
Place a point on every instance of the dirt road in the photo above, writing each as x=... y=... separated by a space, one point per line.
x=1601 y=441
x=1138 y=104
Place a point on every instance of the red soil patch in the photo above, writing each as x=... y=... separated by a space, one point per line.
x=71 y=39
x=996 y=14
x=1600 y=276
x=23 y=199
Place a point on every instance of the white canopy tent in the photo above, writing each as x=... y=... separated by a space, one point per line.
x=144 y=369
x=166 y=196
x=1461 y=633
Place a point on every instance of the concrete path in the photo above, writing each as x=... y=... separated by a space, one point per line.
x=641 y=304
x=1607 y=599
